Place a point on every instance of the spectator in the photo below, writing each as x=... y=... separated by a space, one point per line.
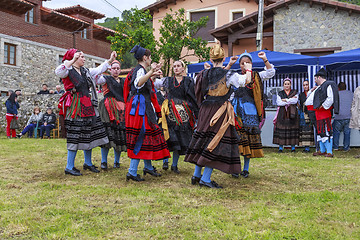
x=342 y=120
x=18 y=92
x=286 y=130
x=44 y=90
x=59 y=90
x=355 y=112
x=33 y=123
x=11 y=113
x=306 y=127
x=49 y=120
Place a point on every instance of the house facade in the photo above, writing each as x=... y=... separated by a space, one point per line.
x=309 y=27
x=220 y=12
x=33 y=40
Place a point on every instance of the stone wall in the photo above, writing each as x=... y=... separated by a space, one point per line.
x=302 y=26
x=36 y=63
x=27 y=104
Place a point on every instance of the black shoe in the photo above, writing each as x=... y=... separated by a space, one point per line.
x=235 y=175
x=211 y=184
x=195 y=180
x=245 y=174
x=306 y=151
x=116 y=165
x=166 y=166
x=72 y=172
x=136 y=178
x=175 y=169
x=280 y=151
x=151 y=172
x=18 y=135
x=104 y=166
x=75 y=169
x=92 y=168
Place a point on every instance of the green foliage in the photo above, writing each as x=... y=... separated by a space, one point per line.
x=134 y=28
x=356 y=2
x=177 y=33
x=110 y=23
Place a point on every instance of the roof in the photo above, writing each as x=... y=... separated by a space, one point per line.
x=62 y=20
x=341 y=57
x=248 y=23
x=101 y=32
x=77 y=9
x=154 y=7
x=16 y=6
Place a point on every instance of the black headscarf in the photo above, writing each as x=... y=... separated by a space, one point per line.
x=12 y=97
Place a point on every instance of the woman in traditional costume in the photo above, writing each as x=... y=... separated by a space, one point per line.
x=286 y=130
x=178 y=112
x=84 y=127
x=214 y=144
x=306 y=128
x=112 y=113
x=249 y=110
x=144 y=137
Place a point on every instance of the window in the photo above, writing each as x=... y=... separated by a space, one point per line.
x=236 y=15
x=84 y=34
x=60 y=59
x=9 y=54
x=204 y=32
x=29 y=16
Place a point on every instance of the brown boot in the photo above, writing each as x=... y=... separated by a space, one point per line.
x=319 y=153
x=329 y=155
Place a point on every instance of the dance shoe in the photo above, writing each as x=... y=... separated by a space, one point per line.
x=165 y=166
x=319 y=154
x=136 y=178
x=75 y=169
x=235 y=175
x=92 y=168
x=329 y=155
x=175 y=169
x=211 y=184
x=116 y=165
x=195 y=180
x=104 y=166
x=151 y=172
x=72 y=172
x=244 y=173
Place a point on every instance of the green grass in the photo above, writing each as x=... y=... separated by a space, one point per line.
x=287 y=196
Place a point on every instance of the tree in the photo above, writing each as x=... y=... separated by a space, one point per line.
x=134 y=28
x=110 y=23
x=177 y=34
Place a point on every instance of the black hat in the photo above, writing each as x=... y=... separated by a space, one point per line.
x=138 y=51
x=321 y=73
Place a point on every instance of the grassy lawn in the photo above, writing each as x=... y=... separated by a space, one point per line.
x=287 y=196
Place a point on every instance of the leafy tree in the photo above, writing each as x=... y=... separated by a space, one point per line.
x=110 y=23
x=177 y=34
x=357 y=2
x=134 y=28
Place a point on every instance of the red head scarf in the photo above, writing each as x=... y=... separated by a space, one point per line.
x=69 y=54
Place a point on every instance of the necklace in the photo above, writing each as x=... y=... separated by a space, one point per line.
x=175 y=80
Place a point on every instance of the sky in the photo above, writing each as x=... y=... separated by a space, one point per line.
x=100 y=6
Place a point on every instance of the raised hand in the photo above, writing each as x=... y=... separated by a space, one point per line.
x=113 y=56
x=76 y=56
x=207 y=65
x=233 y=60
x=262 y=55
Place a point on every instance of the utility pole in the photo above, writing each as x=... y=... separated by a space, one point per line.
x=259 y=34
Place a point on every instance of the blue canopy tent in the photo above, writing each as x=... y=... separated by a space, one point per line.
x=343 y=67
x=295 y=66
x=283 y=62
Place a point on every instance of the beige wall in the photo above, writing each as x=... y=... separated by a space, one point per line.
x=223 y=12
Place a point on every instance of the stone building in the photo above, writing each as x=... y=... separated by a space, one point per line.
x=309 y=27
x=33 y=40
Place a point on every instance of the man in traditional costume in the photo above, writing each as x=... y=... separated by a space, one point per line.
x=326 y=99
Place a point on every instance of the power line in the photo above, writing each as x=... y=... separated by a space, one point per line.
x=112 y=6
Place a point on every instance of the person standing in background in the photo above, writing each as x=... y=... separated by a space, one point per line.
x=342 y=120
x=12 y=107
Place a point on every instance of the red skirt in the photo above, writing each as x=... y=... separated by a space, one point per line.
x=153 y=146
